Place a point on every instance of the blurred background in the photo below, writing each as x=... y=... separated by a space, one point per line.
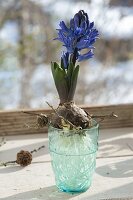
x=27 y=29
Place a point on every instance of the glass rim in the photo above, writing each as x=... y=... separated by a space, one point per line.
x=86 y=129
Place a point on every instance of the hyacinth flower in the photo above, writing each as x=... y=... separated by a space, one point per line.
x=79 y=36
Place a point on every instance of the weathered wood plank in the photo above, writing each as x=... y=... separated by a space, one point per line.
x=15 y=122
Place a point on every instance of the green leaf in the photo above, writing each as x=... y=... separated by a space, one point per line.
x=54 y=65
x=69 y=73
x=59 y=76
x=73 y=83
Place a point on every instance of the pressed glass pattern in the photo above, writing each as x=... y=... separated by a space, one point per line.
x=73 y=157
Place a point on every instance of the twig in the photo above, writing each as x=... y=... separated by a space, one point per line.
x=53 y=109
x=31 y=113
x=67 y=121
x=8 y=162
x=103 y=117
x=15 y=161
x=36 y=150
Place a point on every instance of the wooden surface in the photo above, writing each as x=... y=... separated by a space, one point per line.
x=16 y=122
x=113 y=178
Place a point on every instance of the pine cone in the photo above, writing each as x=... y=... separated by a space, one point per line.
x=24 y=158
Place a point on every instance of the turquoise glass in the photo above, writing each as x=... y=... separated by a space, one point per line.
x=73 y=157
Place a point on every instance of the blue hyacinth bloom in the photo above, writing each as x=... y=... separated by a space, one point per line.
x=65 y=58
x=80 y=35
